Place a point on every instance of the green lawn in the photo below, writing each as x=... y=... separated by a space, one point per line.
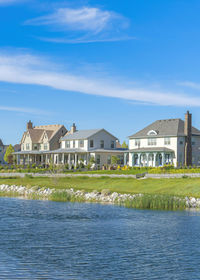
x=178 y=187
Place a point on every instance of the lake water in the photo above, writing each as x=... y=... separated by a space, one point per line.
x=49 y=240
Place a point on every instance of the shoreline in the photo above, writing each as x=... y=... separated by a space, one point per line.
x=137 y=201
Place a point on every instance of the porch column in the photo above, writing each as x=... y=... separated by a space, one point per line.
x=154 y=159
x=163 y=158
x=139 y=159
x=125 y=158
x=132 y=159
x=147 y=157
x=69 y=160
x=75 y=163
x=63 y=158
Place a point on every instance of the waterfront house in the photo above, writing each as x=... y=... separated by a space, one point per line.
x=37 y=141
x=81 y=145
x=2 y=152
x=170 y=141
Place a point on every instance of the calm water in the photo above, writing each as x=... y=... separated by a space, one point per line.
x=49 y=240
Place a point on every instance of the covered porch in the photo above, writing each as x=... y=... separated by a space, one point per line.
x=31 y=157
x=72 y=157
x=151 y=157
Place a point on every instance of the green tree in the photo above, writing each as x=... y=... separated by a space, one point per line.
x=8 y=157
x=114 y=160
x=124 y=145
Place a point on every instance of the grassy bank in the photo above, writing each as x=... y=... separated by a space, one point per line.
x=174 y=187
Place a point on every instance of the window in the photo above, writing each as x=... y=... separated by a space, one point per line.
x=193 y=143
x=152 y=141
x=81 y=143
x=35 y=147
x=98 y=159
x=102 y=144
x=91 y=143
x=23 y=147
x=167 y=141
x=109 y=160
x=137 y=142
x=67 y=144
x=27 y=146
x=181 y=142
x=74 y=144
x=45 y=146
x=112 y=144
x=152 y=132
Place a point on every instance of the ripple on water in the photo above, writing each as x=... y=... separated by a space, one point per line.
x=49 y=240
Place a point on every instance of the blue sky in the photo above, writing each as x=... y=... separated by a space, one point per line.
x=114 y=64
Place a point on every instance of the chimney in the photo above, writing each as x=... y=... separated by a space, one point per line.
x=188 y=138
x=29 y=125
x=73 y=128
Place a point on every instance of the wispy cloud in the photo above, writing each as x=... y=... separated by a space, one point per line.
x=190 y=85
x=27 y=69
x=23 y=110
x=86 y=24
x=9 y=2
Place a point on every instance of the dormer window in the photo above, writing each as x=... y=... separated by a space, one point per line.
x=152 y=132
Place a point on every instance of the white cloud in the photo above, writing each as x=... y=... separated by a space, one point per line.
x=27 y=69
x=190 y=84
x=87 y=23
x=8 y=2
x=23 y=110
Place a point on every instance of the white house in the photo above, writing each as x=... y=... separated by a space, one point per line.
x=171 y=141
x=80 y=145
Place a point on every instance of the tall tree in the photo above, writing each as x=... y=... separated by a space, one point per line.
x=124 y=145
x=8 y=157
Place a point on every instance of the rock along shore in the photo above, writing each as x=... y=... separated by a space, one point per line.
x=105 y=196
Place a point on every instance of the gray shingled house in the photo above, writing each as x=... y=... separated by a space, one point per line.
x=170 y=141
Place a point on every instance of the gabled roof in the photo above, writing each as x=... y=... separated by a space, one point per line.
x=37 y=132
x=83 y=134
x=169 y=127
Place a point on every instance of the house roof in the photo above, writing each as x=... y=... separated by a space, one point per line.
x=169 y=127
x=82 y=134
x=37 y=132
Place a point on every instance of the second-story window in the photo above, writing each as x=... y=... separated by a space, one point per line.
x=23 y=147
x=112 y=144
x=137 y=142
x=81 y=143
x=27 y=146
x=35 y=147
x=67 y=144
x=102 y=144
x=74 y=144
x=91 y=143
x=167 y=141
x=152 y=141
x=45 y=146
